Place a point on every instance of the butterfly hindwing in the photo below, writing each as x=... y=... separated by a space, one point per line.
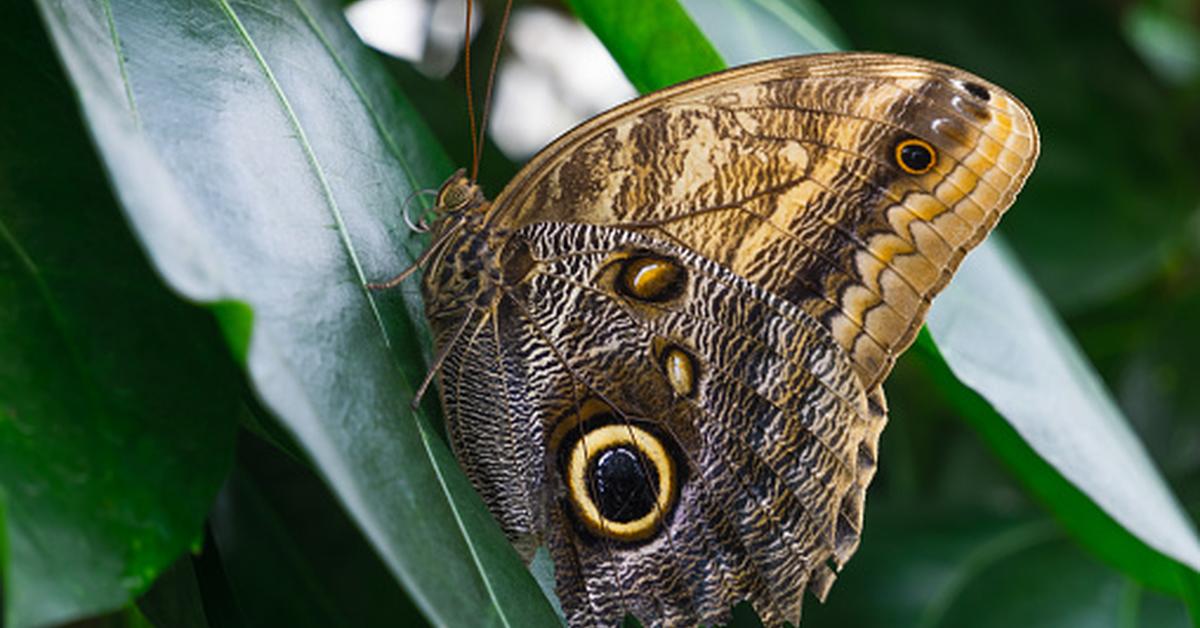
x=764 y=430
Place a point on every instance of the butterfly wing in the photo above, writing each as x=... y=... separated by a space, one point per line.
x=849 y=184
x=746 y=423
x=668 y=365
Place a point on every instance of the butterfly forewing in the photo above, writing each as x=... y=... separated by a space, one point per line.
x=664 y=341
x=788 y=173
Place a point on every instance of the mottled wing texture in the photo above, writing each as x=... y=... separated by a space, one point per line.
x=665 y=339
x=773 y=449
x=786 y=173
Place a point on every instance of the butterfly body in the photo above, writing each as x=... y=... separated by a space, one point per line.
x=664 y=341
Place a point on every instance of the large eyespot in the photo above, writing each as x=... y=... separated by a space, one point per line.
x=621 y=481
x=915 y=156
x=648 y=277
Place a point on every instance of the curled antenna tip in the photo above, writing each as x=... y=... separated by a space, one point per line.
x=420 y=225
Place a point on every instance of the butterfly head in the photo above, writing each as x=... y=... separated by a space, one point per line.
x=459 y=194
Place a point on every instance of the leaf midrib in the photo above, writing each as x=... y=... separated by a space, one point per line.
x=376 y=120
x=115 y=36
x=335 y=210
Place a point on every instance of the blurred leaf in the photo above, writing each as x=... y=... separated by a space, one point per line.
x=1168 y=42
x=175 y=600
x=758 y=29
x=117 y=399
x=928 y=568
x=290 y=555
x=1117 y=175
x=638 y=33
x=262 y=156
x=1146 y=345
x=1000 y=339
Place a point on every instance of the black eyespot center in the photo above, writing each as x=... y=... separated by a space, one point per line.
x=622 y=483
x=915 y=156
x=977 y=90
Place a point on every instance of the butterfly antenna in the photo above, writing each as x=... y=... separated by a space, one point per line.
x=470 y=97
x=435 y=249
x=487 y=97
x=420 y=225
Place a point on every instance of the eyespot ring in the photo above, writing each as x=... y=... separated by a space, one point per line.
x=581 y=472
x=915 y=156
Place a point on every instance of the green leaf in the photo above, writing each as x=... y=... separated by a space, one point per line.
x=750 y=30
x=289 y=554
x=638 y=34
x=1000 y=339
x=940 y=569
x=175 y=599
x=262 y=156
x=117 y=399
x=1125 y=511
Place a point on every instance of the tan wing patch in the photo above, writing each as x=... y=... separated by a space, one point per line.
x=786 y=173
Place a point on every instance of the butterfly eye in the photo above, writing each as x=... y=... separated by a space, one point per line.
x=651 y=278
x=457 y=193
x=915 y=156
x=621 y=481
x=452 y=197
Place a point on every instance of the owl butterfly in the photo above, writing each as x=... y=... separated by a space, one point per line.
x=661 y=346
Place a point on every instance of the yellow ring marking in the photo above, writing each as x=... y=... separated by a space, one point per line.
x=594 y=443
x=915 y=142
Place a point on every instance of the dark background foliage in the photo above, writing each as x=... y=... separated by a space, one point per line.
x=174 y=464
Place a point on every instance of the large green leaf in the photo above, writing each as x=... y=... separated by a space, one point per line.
x=117 y=400
x=262 y=156
x=1057 y=405
x=999 y=338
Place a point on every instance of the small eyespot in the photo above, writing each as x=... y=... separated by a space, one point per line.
x=680 y=369
x=977 y=90
x=651 y=278
x=915 y=156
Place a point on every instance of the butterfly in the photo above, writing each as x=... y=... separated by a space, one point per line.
x=661 y=347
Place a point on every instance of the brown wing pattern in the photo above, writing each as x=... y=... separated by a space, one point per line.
x=664 y=341
x=786 y=172
x=772 y=451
